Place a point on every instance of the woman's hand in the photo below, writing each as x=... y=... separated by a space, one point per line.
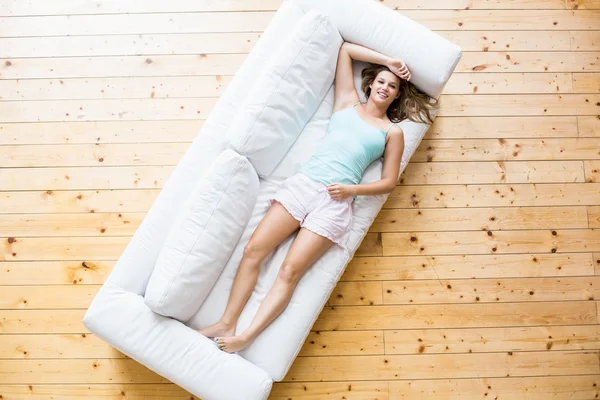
x=399 y=68
x=340 y=191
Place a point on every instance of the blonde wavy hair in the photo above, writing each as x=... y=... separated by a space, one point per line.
x=412 y=102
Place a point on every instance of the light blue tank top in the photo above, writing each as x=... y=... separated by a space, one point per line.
x=347 y=149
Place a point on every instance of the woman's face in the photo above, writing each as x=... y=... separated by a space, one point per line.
x=385 y=88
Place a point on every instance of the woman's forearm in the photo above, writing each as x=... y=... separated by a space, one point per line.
x=381 y=186
x=361 y=53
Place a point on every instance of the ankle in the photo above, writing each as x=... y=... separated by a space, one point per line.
x=227 y=323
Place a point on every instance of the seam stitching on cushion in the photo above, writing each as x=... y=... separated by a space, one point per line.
x=281 y=79
x=200 y=234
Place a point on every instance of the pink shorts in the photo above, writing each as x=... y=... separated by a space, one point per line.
x=309 y=202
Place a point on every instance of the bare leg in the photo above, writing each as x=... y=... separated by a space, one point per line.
x=306 y=249
x=276 y=225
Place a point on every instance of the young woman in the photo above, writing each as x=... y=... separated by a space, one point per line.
x=318 y=199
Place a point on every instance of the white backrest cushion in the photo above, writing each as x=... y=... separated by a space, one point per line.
x=203 y=236
x=287 y=93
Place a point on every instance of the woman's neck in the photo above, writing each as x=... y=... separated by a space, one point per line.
x=374 y=110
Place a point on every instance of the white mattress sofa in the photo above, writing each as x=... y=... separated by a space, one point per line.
x=176 y=273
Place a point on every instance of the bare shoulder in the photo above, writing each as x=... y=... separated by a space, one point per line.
x=396 y=133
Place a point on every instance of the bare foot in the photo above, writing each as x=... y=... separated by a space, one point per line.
x=232 y=344
x=218 y=329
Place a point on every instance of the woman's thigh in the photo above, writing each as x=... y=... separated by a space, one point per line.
x=274 y=228
x=306 y=249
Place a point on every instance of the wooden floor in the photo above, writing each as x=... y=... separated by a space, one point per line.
x=480 y=278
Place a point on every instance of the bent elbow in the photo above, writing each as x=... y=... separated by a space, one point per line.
x=391 y=187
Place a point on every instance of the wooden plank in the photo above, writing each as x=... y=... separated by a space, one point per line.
x=257 y=21
x=530 y=61
x=514 y=40
x=403 y=196
x=88 y=272
x=102 y=248
x=497 y=242
x=193 y=43
x=455 y=150
x=74 y=346
x=150 y=44
x=320 y=368
x=90 y=178
x=505 y=149
x=215 y=85
x=343 y=343
x=42 y=321
x=125 y=224
x=63 y=248
x=588 y=126
x=81 y=201
x=356 y=293
x=114 y=88
x=97 y=392
x=528 y=242
x=443 y=219
x=539 y=104
x=105 y=132
x=584 y=40
x=74 y=7
x=484 y=290
x=474 y=315
x=228 y=64
x=71 y=7
x=462 y=267
x=106 y=110
x=513 y=19
x=191 y=108
x=90 y=155
x=596 y=261
x=497 y=127
x=125 y=66
x=488 y=172
x=594 y=216
x=485 y=340
x=592 y=171
x=351 y=390
x=145 y=177
x=193 y=22
x=83 y=345
x=515 y=83
x=76 y=371
x=53 y=297
x=95 y=272
x=174 y=131
x=582 y=4
x=530 y=388
x=439 y=366
x=359 y=318
x=497 y=195
x=586 y=83
x=347 y=390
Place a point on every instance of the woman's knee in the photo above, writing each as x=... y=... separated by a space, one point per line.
x=289 y=273
x=255 y=250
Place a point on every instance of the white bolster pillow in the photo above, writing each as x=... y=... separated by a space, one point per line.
x=287 y=93
x=203 y=237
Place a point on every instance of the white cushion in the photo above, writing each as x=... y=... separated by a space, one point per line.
x=287 y=93
x=202 y=237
